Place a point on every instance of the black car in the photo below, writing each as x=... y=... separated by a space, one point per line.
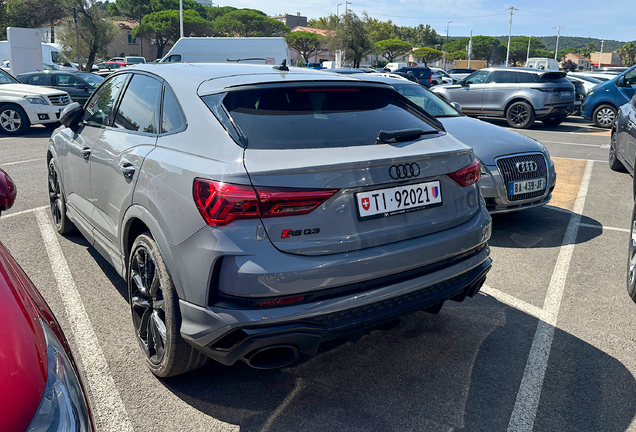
x=579 y=95
x=79 y=85
x=421 y=74
x=622 y=152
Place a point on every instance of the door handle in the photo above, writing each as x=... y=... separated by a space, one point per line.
x=86 y=152
x=127 y=169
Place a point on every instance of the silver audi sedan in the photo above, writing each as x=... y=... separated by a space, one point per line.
x=516 y=172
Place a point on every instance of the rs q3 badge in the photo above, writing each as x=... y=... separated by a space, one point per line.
x=293 y=233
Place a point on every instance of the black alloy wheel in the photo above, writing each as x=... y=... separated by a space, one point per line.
x=520 y=115
x=57 y=204
x=614 y=163
x=155 y=312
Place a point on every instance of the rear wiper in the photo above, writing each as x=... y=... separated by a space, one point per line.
x=387 y=137
x=245 y=59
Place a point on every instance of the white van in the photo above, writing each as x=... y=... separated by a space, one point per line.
x=52 y=57
x=395 y=66
x=542 y=63
x=272 y=50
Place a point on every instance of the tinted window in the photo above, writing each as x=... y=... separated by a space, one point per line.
x=100 y=106
x=92 y=79
x=290 y=118
x=139 y=108
x=172 y=119
x=64 y=80
x=479 y=77
x=39 y=79
x=503 y=77
x=525 y=78
x=5 y=78
x=630 y=77
x=554 y=77
x=174 y=58
x=426 y=100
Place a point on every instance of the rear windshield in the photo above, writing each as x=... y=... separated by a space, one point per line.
x=315 y=117
x=555 y=77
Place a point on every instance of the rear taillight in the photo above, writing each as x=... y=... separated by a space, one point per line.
x=468 y=175
x=221 y=203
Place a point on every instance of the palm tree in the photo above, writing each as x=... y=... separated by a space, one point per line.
x=627 y=54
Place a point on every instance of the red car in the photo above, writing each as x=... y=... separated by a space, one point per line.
x=40 y=388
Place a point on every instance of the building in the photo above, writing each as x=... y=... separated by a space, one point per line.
x=580 y=61
x=607 y=59
x=318 y=58
x=292 y=21
x=125 y=44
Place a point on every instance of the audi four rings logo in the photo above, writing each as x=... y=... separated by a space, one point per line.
x=526 y=167
x=403 y=171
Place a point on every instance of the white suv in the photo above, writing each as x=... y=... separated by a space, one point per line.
x=22 y=105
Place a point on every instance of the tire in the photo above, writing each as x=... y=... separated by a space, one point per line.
x=520 y=115
x=13 y=120
x=154 y=305
x=553 y=121
x=631 y=258
x=57 y=202
x=604 y=116
x=614 y=163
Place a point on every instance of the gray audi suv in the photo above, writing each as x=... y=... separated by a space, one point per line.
x=520 y=95
x=258 y=211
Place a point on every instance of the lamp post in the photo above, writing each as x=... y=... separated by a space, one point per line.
x=511 y=9
x=338 y=9
x=600 y=57
x=346 y=4
x=446 y=48
x=556 y=49
x=181 y=18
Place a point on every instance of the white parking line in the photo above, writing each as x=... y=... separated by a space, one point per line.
x=512 y=301
x=571 y=143
x=20 y=213
x=527 y=402
x=603 y=227
x=107 y=404
x=20 y=162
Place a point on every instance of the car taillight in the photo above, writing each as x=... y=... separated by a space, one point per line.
x=221 y=203
x=468 y=175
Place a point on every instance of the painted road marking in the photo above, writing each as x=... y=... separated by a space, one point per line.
x=527 y=402
x=20 y=213
x=107 y=404
x=571 y=143
x=603 y=227
x=512 y=301
x=22 y=161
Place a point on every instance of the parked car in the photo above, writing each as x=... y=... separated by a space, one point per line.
x=516 y=172
x=22 y=105
x=263 y=212
x=459 y=74
x=622 y=152
x=579 y=94
x=315 y=65
x=422 y=74
x=520 y=95
x=128 y=59
x=39 y=381
x=601 y=104
x=542 y=63
x=258 y=50
x=78 y=85
x=444 y=76
x=601 y=76
x=589 y=82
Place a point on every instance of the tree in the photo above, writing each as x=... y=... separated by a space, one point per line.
x=305 y=43
x=627 y=54
x=589 y=49
x=352 y=37
x=249 y=23
x=392 y=48
x=378 y=30
x=456 y=55
x=33 y=13
x=427 y=55
x=95 y=28
x=324 y=23
x=164 y=26
x=488 y=48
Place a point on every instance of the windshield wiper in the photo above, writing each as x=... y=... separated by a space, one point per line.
x=387 y=137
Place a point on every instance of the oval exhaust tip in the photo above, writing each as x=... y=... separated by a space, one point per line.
x=272 y=357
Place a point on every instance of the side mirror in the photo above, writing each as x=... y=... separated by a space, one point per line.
x=462 y=82
x=621 y=82
x=8 y=191
x=72 y=115
x=457 y=106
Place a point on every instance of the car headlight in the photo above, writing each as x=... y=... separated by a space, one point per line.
x=36 y=100
x=63 y=406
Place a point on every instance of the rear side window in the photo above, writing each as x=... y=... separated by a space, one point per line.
x=526 y=78
x=503 y=77
x=39 y=80
x=301 y=117
x=139 y=108
x=172 y=119
x=64 y=80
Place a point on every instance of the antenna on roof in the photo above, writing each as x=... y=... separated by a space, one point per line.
x=282 y=67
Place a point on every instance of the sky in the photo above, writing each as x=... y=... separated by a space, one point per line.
x=584 y=18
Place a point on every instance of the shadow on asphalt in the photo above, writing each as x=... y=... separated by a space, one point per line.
x=572 y=124
x=34 y=132
x=541 y=227
x=459 y=370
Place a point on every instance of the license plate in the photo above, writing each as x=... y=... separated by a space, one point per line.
x=398 y=200
x=526 y=186
x=566 y=94
x=577 y=102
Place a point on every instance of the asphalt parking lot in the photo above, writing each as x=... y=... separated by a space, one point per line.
x=548 y=345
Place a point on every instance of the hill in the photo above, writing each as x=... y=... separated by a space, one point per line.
x=574 y=42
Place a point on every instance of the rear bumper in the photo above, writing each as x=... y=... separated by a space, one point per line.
x=228 y=335
x=555 y=111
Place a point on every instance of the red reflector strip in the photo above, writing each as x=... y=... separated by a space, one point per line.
x=284 y=301
x=468 y=175
x=328 y=90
